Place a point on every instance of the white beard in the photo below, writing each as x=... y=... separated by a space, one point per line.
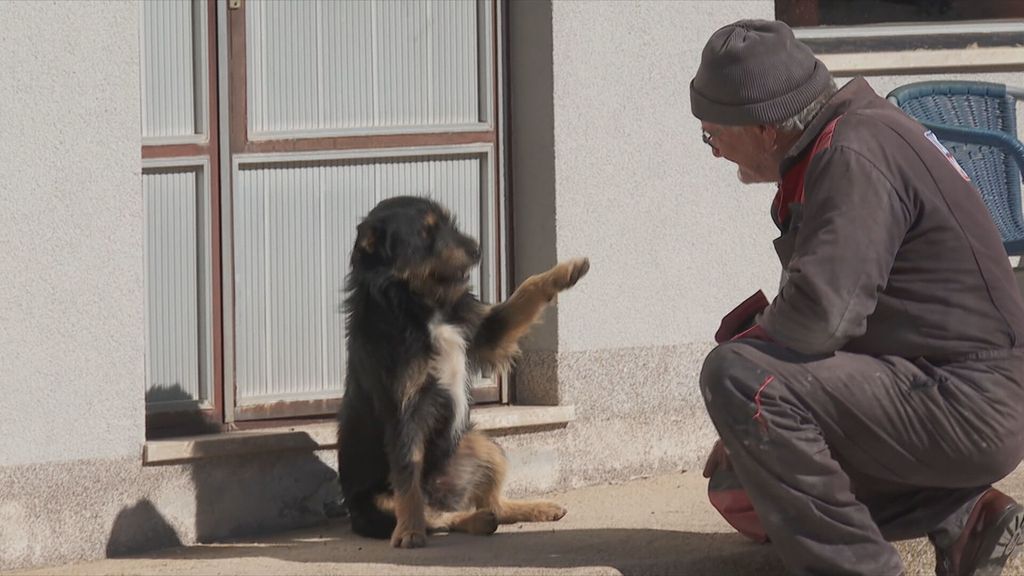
x=748 y=177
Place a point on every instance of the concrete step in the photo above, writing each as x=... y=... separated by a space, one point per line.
x=648 y=526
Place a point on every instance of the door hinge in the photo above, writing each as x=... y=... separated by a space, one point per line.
x=234 y=4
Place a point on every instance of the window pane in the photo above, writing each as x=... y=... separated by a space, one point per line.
x=295 y=224
x=173 y=44
x=178 y=355
x=364 y=66
x=852 y=12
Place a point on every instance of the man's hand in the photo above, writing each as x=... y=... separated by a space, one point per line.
x=717 y=460
x=741 y=318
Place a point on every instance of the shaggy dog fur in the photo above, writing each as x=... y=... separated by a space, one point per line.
x=409 y=459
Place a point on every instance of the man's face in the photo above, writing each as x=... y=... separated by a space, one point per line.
x=750 y=148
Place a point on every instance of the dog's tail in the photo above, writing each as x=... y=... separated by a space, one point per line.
x=368 y=519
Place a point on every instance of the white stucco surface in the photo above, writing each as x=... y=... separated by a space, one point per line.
x=675 y=241
x=71 y=270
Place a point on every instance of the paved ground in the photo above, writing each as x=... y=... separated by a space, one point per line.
x=650 y=526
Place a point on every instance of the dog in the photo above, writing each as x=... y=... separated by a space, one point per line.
x=410 y=462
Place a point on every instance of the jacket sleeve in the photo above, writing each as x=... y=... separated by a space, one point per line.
x=854 y=222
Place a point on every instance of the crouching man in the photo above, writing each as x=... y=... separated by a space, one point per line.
x=880 y=394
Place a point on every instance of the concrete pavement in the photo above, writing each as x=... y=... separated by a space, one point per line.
x=649 y=526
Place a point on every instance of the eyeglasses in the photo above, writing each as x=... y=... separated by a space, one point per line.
x=705 y=136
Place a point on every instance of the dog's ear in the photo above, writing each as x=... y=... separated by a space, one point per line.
x=368 y=238
x=371 y=243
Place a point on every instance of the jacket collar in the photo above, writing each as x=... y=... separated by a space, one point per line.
x=853 y=94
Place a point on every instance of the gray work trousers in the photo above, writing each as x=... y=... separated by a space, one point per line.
x=842 y=454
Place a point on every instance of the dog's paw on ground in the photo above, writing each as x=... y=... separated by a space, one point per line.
x=547 y=511
x=409 y=539
x=482 y=523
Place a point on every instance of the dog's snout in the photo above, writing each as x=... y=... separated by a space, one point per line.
x=472 y=249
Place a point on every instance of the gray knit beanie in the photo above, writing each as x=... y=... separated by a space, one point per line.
x=755 y=72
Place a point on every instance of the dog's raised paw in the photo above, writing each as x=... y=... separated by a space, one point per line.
x=580 y=268
x=571 y=271
x=409 y=540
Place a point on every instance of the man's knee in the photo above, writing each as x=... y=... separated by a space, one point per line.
x=729 y=379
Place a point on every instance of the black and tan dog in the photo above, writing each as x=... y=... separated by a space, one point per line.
x=409 y=461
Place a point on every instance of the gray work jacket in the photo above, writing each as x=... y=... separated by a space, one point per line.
x=891 y=251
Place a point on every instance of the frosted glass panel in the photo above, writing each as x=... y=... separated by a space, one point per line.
x=362 y=65
x=177 y=347
x=294 y=227
x=173 y=46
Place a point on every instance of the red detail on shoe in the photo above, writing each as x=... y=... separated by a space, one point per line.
x=989 y=539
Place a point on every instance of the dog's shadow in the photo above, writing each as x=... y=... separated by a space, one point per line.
x=638 y=551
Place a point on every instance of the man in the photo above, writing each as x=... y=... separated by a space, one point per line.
x=879 y=395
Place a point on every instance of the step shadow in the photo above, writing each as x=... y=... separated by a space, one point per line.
x=639 y=552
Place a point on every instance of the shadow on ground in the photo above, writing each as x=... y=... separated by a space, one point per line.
x=140 y=527
x=235 y=495
x=629 y=551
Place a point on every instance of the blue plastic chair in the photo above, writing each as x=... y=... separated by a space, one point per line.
x=977 y=122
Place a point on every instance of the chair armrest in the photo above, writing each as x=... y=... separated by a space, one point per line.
x=1013 y=147
x=1015 y=91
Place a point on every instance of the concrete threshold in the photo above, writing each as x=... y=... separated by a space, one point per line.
x=661 y=525
x=497 y=420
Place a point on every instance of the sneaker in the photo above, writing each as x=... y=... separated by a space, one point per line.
x=989 y=540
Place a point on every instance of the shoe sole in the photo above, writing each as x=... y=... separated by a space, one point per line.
x=1002 y=545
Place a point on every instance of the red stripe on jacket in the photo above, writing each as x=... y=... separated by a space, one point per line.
x=791 y=188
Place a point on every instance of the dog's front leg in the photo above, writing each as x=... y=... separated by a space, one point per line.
x=411 y=529
x=497 y=340
x=407 y=478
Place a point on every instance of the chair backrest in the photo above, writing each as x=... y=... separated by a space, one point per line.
x=977 y=122
x=982 y=105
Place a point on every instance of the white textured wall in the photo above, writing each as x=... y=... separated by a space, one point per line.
x=71 y=284
x=674 y=239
